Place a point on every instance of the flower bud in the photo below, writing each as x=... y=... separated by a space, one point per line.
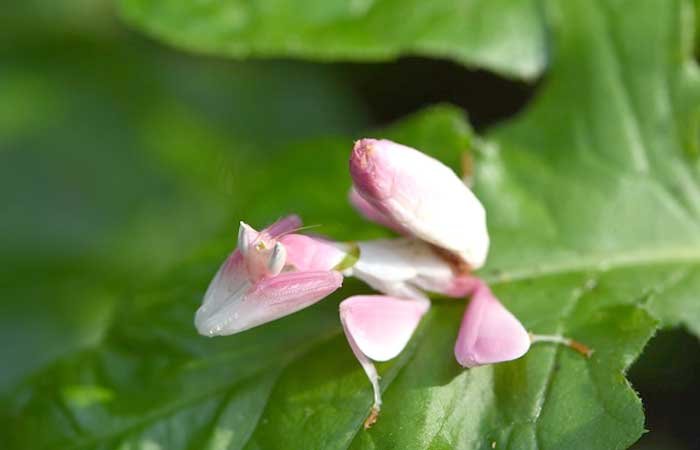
x=422 y=195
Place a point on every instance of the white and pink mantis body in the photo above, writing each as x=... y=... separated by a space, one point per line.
x=276 y=272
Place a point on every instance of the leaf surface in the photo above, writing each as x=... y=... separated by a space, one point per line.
x=593 y=201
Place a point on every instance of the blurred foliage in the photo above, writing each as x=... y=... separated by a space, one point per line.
x=118 y=159
x=502 y=35
x=125 y=167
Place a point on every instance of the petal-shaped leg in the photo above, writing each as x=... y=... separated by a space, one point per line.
x=381 y=325
x=378 y=328
x=267 y=300
x=489 y=333
x=371 y=373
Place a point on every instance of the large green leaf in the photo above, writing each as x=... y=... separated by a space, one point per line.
x=593 y=209
x=601 y=173
x=501 y=35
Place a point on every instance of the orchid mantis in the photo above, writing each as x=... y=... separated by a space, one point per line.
x=277 y=271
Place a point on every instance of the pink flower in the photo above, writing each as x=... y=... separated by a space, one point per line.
x=409 y=190
x=270 y=275
x=489 y=333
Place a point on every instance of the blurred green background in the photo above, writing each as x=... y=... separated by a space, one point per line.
x=122 y=159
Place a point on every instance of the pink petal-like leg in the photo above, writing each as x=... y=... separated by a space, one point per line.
x=378 y=328
x=489 y=333
x=371 y=373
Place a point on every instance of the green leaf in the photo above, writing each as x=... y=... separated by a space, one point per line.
x=593 y=203
x=601 y=172
x=501 y=35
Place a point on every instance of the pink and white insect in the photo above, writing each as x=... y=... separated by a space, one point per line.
x=277 y=271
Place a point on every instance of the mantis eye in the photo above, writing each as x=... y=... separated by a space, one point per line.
x=246 y=235
x=277 y=259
